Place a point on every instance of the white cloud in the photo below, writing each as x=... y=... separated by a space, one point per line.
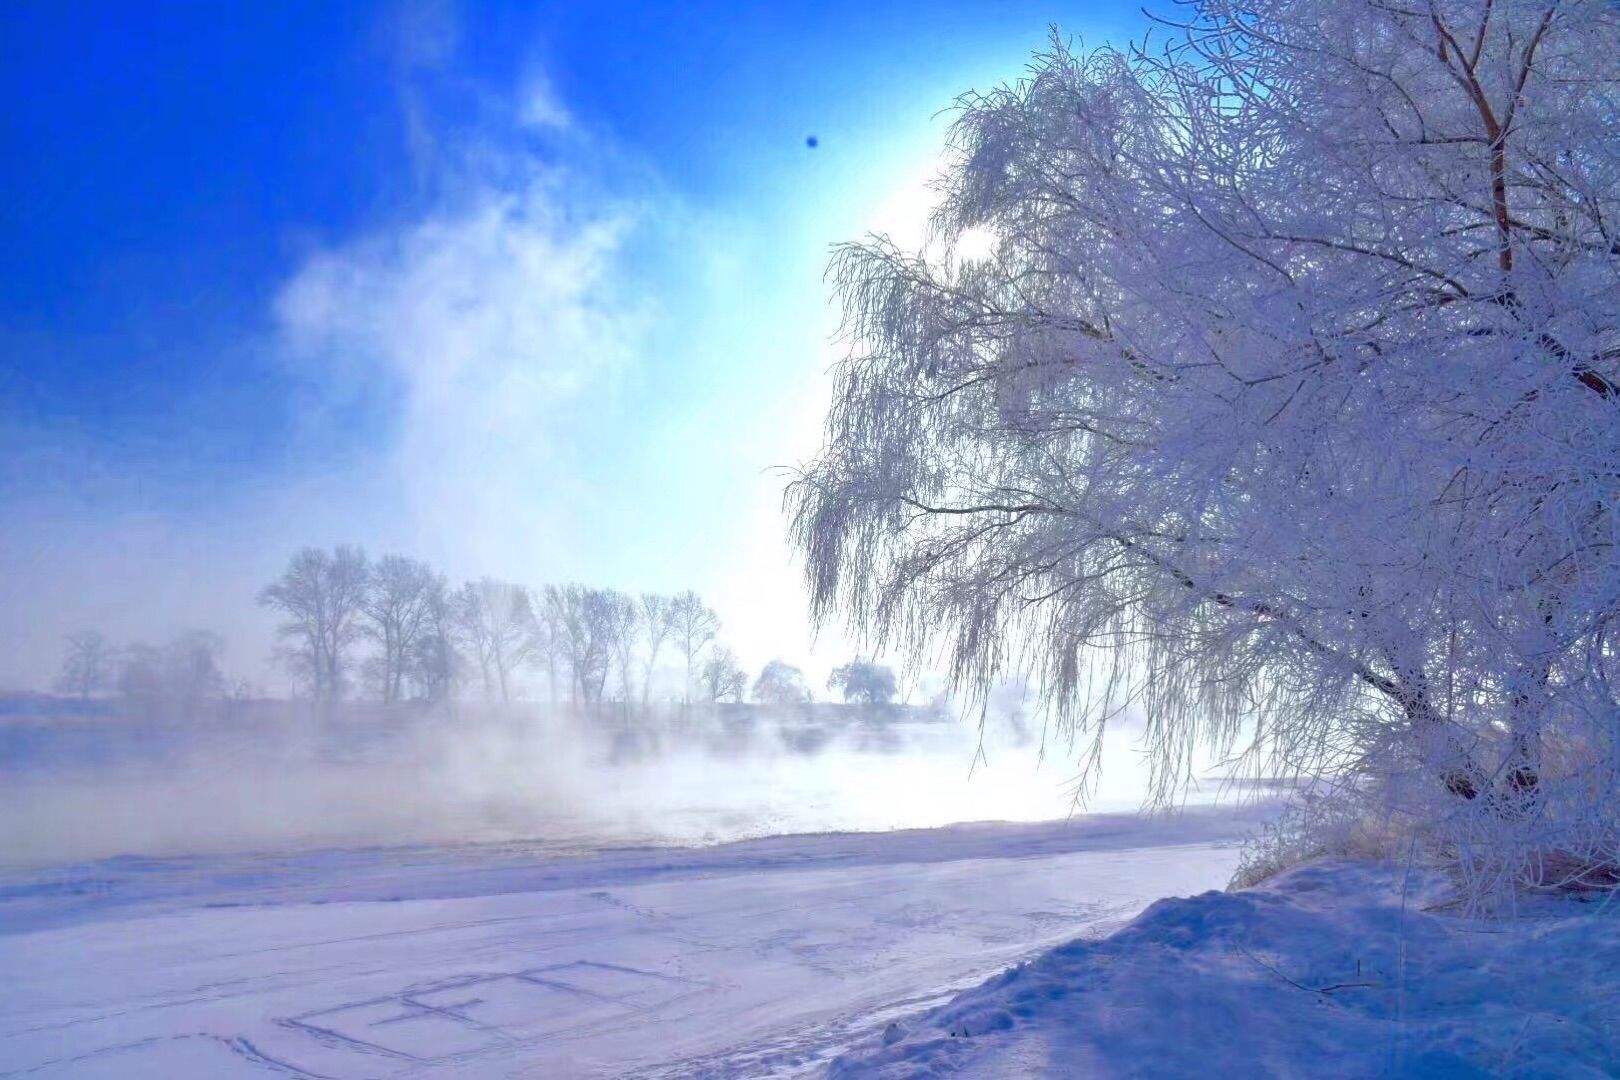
x=489 y=326
x=540 y=108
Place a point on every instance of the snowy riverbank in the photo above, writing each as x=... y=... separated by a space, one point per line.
x=868 y=952
x=761 y=958
x=1344 y=970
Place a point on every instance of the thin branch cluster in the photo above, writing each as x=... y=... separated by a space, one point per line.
x=1285 y=406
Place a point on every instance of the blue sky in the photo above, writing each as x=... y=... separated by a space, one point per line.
x=530 y=290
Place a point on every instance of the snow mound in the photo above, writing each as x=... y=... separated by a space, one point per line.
x=1344 y=969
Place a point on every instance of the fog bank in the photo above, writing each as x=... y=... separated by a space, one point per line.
x=275 y=776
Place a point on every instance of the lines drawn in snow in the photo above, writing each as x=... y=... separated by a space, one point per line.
x=190 y=1054
x=471 y=1014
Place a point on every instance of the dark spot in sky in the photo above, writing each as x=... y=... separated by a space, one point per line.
x=812 y=142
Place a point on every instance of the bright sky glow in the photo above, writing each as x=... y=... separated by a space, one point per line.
x=527 y=290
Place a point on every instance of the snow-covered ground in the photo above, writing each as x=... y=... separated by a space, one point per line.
x=1343 y=970
x=760 y=958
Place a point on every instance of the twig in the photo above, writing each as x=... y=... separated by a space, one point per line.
x=1325 y=991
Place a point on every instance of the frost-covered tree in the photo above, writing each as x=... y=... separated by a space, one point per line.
x=87 y=665
x=319 y=596
x=863 y=682
x=1277 y=393
x=780 y=683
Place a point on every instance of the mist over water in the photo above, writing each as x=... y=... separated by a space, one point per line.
x=275 y=776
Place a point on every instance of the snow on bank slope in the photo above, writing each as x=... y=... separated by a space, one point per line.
x=1337 y=969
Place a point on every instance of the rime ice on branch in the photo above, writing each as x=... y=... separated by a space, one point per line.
x=1282 y=404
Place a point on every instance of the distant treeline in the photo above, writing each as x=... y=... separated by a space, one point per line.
x=395 y=630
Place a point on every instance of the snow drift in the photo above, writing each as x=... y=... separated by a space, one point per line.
x=1345 y=969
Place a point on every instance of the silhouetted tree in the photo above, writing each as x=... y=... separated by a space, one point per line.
x=88 y=665
x=546 y=650
x=497 y=623
x=624 y=622
x=722 y=677
x=320 y=595
x=191 y=668
x=781 y=683
x=584 y=618
x=433 y=663
x=863 y=682
x=657 y=624
x=694 y=628
x=177 y=677
x=398 y=600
